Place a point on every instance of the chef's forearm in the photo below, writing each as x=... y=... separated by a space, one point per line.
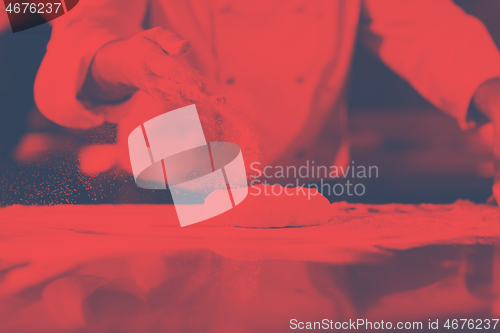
x=487 y=99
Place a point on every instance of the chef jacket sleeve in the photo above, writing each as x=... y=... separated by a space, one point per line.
x=443 y=52
x=76 y=38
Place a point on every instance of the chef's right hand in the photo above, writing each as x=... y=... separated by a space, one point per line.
x=151 y=61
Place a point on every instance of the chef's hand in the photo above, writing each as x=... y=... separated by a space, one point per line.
x=151 y=61
x=487 y=101
x=154 y=62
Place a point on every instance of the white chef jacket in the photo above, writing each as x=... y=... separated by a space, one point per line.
x=291 y=56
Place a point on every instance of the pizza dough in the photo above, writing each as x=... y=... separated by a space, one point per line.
x=273 y=206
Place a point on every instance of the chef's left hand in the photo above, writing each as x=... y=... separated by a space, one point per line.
x=487 y=101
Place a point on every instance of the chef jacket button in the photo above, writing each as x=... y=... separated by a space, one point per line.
x=300 y=154
x=300 y=80
x=299 y=9
x=226 y=9
x=230 y=80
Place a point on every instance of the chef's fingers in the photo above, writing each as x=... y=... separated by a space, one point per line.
x=96 y=159
x=167 y=89
x=492 y=201
x=496 y=160
x=165 y=68
x=170 y=42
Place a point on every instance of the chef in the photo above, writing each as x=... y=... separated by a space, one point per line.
x=126 y=60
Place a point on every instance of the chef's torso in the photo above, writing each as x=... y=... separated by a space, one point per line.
x=290 y=57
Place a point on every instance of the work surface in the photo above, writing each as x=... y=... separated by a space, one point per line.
x=55 y=261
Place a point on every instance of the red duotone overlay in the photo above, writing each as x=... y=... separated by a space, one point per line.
x=269 y=77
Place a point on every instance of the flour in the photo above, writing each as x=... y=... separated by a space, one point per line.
x=307 y=208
